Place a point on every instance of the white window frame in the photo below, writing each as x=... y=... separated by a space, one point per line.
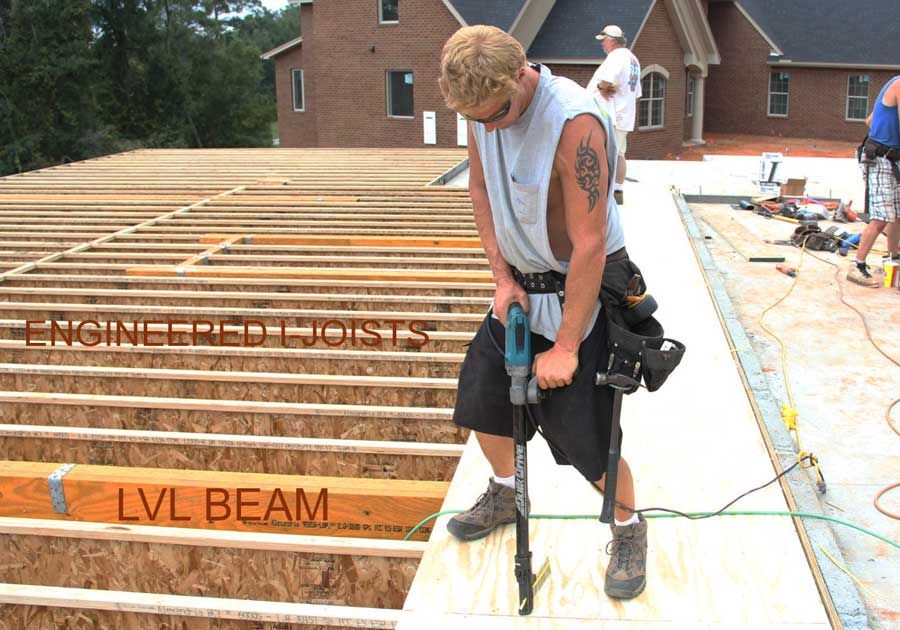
x=664 y=74
x=787 y=94
x=302 y=107
x=381 y=19
x=387 y=97
x=853 y=96
x=691 y=90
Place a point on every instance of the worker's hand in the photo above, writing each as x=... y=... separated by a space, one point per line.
x=507 y=292
x=607 y=92
x=555 y=368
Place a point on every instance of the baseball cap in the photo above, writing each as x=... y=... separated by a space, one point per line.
x=611 y=31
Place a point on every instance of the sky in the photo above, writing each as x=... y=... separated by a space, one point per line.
x=274 y=5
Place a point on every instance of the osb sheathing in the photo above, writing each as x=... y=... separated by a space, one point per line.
x=185 y=359
x=324 y=261
x=192 y=421
x=273 y=339
x=176 y=284
x=273 y=323
x=231 y=390
x=254 y=460
x=372 y=581
x=270 y=302
x=19 y=617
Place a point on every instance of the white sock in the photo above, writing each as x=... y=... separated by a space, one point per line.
x=634 y=519
x=618 y=186
x=509 y=482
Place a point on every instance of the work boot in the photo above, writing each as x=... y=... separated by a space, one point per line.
x=620 y=197
x=497 y=506
x=859 y=273
x=626 y=574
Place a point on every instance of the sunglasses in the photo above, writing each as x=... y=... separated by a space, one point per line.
x=502 y=112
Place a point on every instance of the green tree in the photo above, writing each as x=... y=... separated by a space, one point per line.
x=48 y=109
x=82 y=78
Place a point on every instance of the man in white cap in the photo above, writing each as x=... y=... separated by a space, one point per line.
x=616 y=86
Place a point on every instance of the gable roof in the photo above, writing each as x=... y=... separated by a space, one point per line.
x=830 y=32
x=499 y=13
x=286 y=46
x=569 y=30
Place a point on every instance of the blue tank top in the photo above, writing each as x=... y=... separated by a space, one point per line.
x=885 y=125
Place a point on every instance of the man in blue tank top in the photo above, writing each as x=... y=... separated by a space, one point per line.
x=540 y=153
x=879 y=157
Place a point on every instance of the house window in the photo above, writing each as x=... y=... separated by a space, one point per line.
x=297 y=81
x=691 y=88
x=400 y=93
x=778 y=94
x=388 y=12
x=651 y=107
x=857 y=96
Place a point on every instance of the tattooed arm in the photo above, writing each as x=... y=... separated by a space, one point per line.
x=580 y=164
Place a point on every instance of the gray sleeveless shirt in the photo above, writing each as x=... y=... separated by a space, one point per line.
x=517 y=163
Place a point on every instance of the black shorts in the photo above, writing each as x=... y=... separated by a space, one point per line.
x=575 y=417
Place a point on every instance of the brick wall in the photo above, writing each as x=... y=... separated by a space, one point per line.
x=345 y=81
x=295 y=129
x=347 y=78
x=737 y=90
x=658 y=44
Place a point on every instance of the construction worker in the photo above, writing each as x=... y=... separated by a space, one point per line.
x=879 y=157
x=617 y=86
x=541 y=156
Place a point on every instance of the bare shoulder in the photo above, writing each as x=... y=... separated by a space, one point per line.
x=580 y=163
x=581 y=134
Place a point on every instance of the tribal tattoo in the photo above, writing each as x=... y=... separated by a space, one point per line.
x=587 y=171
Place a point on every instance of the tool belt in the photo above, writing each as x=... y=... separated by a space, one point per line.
x=870 y=149
x=554 y=281
x=638 y=348
x=812 y=237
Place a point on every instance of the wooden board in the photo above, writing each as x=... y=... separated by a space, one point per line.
x=692 y=446
x=412 y=275
x=155 y=607
x=742 y=240
x=360 y=240
x=362 y=508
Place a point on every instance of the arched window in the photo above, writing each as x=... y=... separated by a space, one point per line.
x=652 y=106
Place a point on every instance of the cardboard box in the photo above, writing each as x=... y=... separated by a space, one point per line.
x=794 y=187
x=770 y=188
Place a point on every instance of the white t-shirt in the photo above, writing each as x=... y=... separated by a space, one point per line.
x=622 y=70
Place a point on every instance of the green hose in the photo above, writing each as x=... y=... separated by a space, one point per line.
x=569 y=517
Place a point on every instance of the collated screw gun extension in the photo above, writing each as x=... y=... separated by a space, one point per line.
x=518 y=365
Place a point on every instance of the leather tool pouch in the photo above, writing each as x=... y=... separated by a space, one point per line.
x=638 y=348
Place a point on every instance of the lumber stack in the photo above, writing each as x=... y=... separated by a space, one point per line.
x=202 y=350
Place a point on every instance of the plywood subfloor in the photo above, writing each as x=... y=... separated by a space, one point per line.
x=693 y=446
x=842 y=386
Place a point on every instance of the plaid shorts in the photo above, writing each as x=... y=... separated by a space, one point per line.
x=884 y=190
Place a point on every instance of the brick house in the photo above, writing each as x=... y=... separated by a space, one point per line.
x=364 y=72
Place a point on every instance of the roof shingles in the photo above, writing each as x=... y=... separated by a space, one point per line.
x=831 y=31
x=569 y=30
x=499 y=13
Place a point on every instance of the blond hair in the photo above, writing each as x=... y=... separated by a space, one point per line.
x=479 y=63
